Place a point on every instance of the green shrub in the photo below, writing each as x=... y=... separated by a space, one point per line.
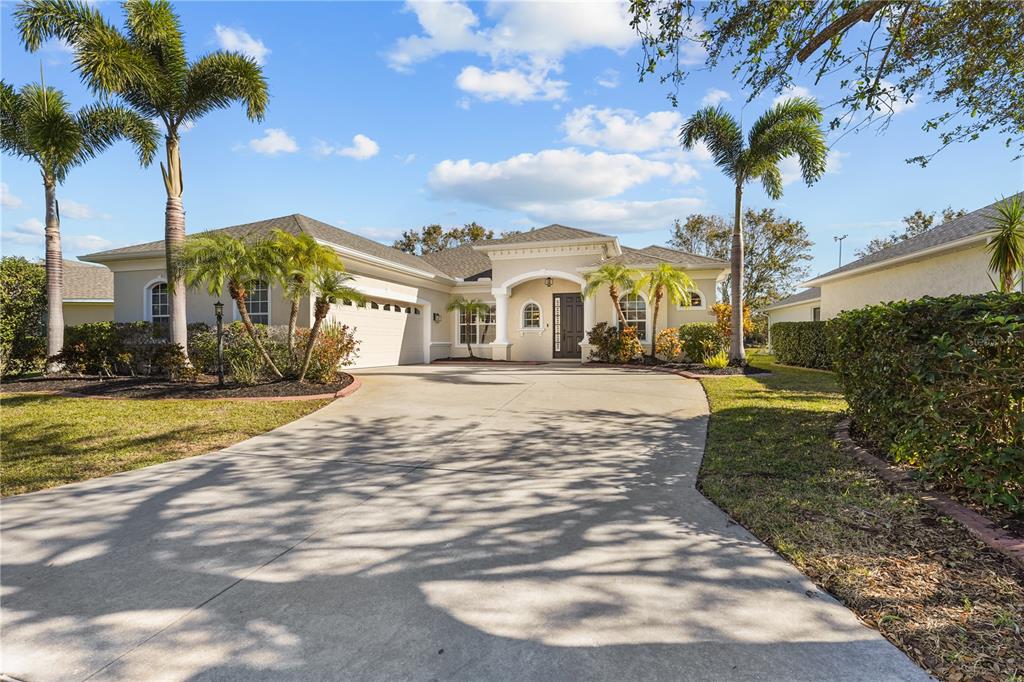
x=169 y=360
x=336 y=347
x=110 y=348
x=804 y=344
x=614 y=345
x=22 y=315
x=719 y=360
x=667 y=344
x=699 y=339
x=938 y=382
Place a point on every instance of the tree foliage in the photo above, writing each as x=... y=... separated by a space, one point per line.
x=22 y=313
x=966 y=57
x=777 y=251
x=433 y=238
x=916 y=223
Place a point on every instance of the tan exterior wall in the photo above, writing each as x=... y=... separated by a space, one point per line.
x=84 y=313
x=529 y=344
x=961 y=272
x=678 y=315
x=801 y=312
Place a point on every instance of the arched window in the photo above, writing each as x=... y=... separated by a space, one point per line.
x=158 y=306
x=695 y=301
x=634 y=309
x=531 y=316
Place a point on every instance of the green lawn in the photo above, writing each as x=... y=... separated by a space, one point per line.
x=49 y=440
x=930 y=587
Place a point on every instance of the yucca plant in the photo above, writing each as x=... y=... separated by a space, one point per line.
x=146 y=66
x=37 y=124
x=790 y=128
x=1006 y=245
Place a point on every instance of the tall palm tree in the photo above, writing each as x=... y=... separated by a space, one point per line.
x=617 y=278
x=665 y=281
x=218 y=260
x=300 y=258
x=792 y=127
x=1006 y=245
x=36 y=124
x=469 y=309
x=330 y=286
x=146 y=66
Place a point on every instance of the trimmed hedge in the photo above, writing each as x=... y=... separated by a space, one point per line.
x=804 y=344
x=939 y=383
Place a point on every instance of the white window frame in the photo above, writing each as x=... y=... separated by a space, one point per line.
x=477 y=325
x=647 y=315
x=540 y=317
x=147 y=300
x=270 y=297
x=702 y=306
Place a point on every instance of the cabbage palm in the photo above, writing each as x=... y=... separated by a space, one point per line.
x=469 y=309
x=664 y=281
x=146 y=66
x=1006 y=245
x=300 y=258
x=790 y=128
x=36 y=124
x=617 y=278
x=330 y=286
x=218 y=260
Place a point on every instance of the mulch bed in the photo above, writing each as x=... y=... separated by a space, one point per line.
x=144 y=387
x=698 y=368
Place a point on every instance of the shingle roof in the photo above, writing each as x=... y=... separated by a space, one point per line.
x=82 y=280
x=808 y=294
x=295 y=224
x=462 y=261
x=973 y=223
x=549 y=233
x=683 y=257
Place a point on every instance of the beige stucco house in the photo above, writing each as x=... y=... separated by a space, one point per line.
x=532 y=280
x=945 y=260
x=88 y=293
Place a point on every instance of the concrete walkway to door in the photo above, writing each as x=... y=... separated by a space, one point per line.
x=445 y=522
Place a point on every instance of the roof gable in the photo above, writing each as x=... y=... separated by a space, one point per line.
x=462 y=261
x=549 y=233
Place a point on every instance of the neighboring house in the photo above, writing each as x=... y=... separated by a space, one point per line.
x=532 y=280
x=88 y=293
x=945 y=260
x=803 y=306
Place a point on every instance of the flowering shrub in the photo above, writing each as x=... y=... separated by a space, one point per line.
x=614 y=345
x=336 y=347
x=667 y=345
x=723 y=320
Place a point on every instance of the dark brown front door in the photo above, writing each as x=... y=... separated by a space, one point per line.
x=567 y=325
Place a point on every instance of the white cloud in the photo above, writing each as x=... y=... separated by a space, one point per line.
x=791 y=91
x=274 y=141
x=609 y=78
x=86 y=243
x=463 y=103
x=8 y=200
x=684 y=172
x=513 y=84
x=73 y=209
x=239 y=40
x=622 y=129
x=894 y=99
x=789 y=167
x=33 y=227
x=362 y=148
x=714 y=97
x=564 y=185
x=31 y=232
x=406 y=159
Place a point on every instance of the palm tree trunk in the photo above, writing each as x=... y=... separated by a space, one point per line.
x=293 y=321
x=313 y=333
x=54 y=277
x=654 y=320
x=614 y=293
x=243 y=310
x=174 y=238
x=737 y=355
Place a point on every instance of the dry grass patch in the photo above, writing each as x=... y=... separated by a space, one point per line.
x=955 y=606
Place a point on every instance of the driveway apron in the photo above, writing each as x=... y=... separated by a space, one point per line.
x=444 y=522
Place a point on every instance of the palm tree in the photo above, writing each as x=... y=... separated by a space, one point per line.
x=1006 y=246
x=665 y=280
x=469 y=309
x=789 y=128
x=300 y=257
x=218 y=259
x=146 y=66
x=331 y=286
x=36 y=124
x=617 y=278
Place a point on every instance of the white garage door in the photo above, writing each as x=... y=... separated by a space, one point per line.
x=389 y=333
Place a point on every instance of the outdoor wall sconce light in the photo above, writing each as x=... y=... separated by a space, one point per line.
x=437 y=317
x=548 y=281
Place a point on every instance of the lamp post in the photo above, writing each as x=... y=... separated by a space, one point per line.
x=840 y=240
x=218 y=308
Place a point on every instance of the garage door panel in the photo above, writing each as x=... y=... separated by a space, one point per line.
x=387 y=335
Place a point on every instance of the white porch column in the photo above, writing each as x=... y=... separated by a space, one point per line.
x=589 y=317
x=501 y=349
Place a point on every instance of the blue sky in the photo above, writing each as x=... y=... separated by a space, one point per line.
x=386 y=116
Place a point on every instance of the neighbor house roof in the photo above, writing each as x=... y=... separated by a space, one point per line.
x=966 y=229
x=87 y=282
x=293 y=224
x=463 y=262
x=549 y=233
x=806 y=296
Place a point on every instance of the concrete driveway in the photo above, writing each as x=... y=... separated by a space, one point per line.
x=445 y=522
